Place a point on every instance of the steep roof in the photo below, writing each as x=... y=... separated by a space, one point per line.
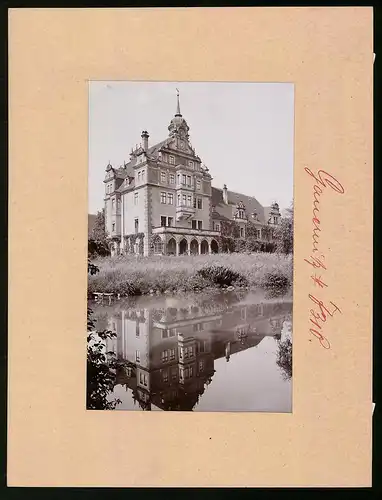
x=226 y=210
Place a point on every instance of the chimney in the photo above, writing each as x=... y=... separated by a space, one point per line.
x=225 y=194
x=145 y=140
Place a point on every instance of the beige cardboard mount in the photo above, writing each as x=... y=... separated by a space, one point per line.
x=52 y=440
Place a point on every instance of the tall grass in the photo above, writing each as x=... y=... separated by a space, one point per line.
x=129 y=275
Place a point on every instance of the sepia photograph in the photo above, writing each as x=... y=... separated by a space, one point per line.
x=190 y=246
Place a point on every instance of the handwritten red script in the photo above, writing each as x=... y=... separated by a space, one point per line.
x=320 y=311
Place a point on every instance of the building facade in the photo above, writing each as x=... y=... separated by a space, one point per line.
x=163 y=202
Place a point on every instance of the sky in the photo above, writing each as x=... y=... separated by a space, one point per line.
x=243 y=132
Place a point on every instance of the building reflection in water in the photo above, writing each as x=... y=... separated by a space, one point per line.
x=166 y=353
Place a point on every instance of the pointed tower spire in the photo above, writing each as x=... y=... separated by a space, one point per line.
x=178 y=113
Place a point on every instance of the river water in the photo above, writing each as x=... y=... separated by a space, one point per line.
x=201 y=352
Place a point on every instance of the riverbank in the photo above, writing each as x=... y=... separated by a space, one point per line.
x=129 y=276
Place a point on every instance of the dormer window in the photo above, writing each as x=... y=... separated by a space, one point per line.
x=172 y=160
x=191 y=164
x=241 y=213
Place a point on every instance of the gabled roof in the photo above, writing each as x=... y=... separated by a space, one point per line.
x=226 y=210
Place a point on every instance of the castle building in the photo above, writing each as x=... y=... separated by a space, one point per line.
x=162 y=201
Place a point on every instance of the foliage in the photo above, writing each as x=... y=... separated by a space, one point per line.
x=275 y=283
x=284 y=357
x=98 y=243
x=96 y=248
x=222 y=276
x=99 y=230
x=101 y=365
x=230 y=231
x=131 y=240
x=127 y=275
x=284 y=232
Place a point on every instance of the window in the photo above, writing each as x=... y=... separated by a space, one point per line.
x=179 y=199
x=163 y=198
x=163 y=220
x=143 y=175
x=172 y=354
x=136 y=225
x=113 y=226
x=194 y=202
x=164 y=356
x=241 y=213
x=172 y=179
x=201 y=366
x=170 y=221
x=143 y=379
x=198 y=184
x=200 y=224
x=113 y=202
x=191 y=164
x=216 y=226
x=200 y=203
x=276 y=220
x=179 y=179
x=172 y=160
x=137 y=357
x=165 y=376
x=170 y=198
x=241 y=232
x=258 y=233
x=158 y=245
x=137 y=329
x=136 y=198
x=193 y=224
x=189 y=201
x=191 y=371
x=163 y=177
x=184 y=179
x=189 y=180
x=174 y=373
x=184 y=199
x=139 y=176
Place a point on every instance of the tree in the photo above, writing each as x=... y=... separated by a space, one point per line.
x=284 y=232
x=101 y=365
x=284 y=358
x=99 y=230
x=97 y=243
x=230 y=231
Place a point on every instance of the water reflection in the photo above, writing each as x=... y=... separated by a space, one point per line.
x=205 y=352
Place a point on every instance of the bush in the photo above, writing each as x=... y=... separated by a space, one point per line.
x=284 y=358
x=275 y=282
x=222 y=276
x=197 y=282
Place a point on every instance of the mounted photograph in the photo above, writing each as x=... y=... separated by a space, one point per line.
x=190 y=246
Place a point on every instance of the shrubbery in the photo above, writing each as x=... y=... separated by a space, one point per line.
x=128 y=275
x=275 y=282
x=222 y=276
